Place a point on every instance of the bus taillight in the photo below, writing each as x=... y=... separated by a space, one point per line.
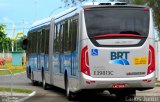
x=85 y=61
x=87 y=9
x=151 y=60
x=146 y=9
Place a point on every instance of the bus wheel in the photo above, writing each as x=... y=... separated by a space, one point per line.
x=34 y=83
x=70 y=96
x=44 y=82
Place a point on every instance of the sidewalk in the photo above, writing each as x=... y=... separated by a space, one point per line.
x=158 y=83
x=16 y=97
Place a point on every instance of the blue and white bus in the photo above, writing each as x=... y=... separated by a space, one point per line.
x=102 y=46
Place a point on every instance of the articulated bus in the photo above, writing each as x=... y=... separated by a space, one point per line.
x=103 y=46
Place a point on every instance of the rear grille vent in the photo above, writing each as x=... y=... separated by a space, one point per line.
x=120 y=3
x=105 y=4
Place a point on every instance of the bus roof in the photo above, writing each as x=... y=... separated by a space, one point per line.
x=47 y=20
x=40 y=22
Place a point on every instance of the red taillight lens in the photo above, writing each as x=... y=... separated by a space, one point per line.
x=151 y=60
x=85 y=61
x=87 y=9
x=146 y=9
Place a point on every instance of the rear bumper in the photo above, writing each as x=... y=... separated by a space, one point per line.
x=138 y=83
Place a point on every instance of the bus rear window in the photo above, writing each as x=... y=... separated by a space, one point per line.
x=101 y=21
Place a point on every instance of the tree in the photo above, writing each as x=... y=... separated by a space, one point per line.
x=154 y=4
x=73 y=2
x=19 y=43
x=2 y=33
x=139 y=2
x=5 y=42
x=2 y=37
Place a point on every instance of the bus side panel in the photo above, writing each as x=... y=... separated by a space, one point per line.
x=32 y=63
x=75 y=72
x=58 y=77
x=46 y=69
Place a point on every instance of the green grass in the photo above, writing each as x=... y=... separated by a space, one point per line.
x=14 y=71
x=16 y=90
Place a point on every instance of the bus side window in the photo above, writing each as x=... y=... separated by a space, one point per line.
x=39 y=36
x=70 y=33
x=74 y=35
x=57 y=43
x=66 y=36
x=34 y=47
x=55 y=38
x=47 y=42
x=61 y=39
x=42 y=41
x=32 y=43
x=29 y=43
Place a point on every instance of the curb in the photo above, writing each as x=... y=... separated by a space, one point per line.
x=25 y=98
x=19 y=73
x=157 y=84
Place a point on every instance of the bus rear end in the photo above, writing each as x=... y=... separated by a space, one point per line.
x=117 y=48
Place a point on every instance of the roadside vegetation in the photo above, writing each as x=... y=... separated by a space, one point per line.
x=15 y=90
x=14 y=71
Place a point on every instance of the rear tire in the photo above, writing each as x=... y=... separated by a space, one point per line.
x=44 y=82
x=34 y=83
x=70 y=96
x=28 y=71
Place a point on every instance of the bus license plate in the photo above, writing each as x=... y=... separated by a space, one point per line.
x=118 y=86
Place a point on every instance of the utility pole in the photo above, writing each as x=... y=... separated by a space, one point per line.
x=19 y=33
x=13 y=30
x=93 y=1
x=23 y=25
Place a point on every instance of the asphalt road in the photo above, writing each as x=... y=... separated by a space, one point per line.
x=54 y=94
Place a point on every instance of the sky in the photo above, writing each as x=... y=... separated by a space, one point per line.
x=20 y=14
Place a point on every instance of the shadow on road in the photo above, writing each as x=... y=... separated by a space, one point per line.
x=85 y=96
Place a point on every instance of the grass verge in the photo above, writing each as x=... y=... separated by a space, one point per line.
x=16 y=90
x=13 y=67
x=14 y=71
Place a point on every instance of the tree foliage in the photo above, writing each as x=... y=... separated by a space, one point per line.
x=7 y=44
x=154 y=4
x=18 y=43
x=73 y=2
x=2 y=32
x=2 y=37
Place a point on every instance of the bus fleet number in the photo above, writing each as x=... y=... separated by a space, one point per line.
x=103 y=72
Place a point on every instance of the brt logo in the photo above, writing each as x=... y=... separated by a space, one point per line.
x=119 y=58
